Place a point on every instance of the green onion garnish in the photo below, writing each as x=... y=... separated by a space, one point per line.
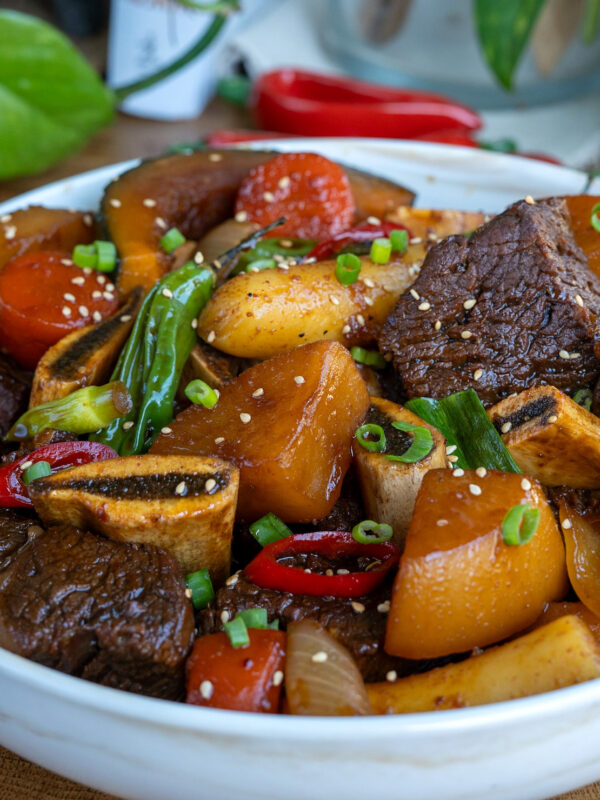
x=254 y=617
x=237 y=632
x=347 y=268
x=261 y=263
x=399 y=241
x=520 y=524
x=583 y=398
x=38 y=470
x=370 y=532
x=101 y=256
x=370 y=358
x=201 y=587
x=201 y=394
x=421 y=445
x=372 y=445
x=381 y=250
x=462 y=420
x=594 y=218
x=171 y=240
x=269 y=529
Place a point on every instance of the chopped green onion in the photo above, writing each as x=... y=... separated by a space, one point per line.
x=520 y=524
x=237 y=632
x=171 y=240
x=201 y=587
x=499 y=145
x=347 y=268
x=38 y=470
x=370 y=358
x=399 y=240
x=261 y=263
x=85 y=256
x=201 y=394
x=583 y=398
x=594 y=218
x=101 y=256
x=463 y=421
x=421 y=445
x=269 y=529
x=381 y=250
x=372 y=445
x=370 y=532
x=254 y=617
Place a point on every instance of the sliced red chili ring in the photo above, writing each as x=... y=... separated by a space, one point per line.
x=366 y=232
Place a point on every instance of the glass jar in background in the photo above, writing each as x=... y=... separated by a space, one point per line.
x=432 y=44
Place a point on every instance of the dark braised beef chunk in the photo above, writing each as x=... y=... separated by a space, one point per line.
x=15 y=528
x=15 y=385
x=106 y=611
x=516 y=305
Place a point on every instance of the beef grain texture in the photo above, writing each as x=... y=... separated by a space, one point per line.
x=535 y=298
x=15 y=385
x=110 y=612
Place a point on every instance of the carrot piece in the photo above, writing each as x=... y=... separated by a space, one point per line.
x=240 y=679
x=310 y=191
x=40 y=303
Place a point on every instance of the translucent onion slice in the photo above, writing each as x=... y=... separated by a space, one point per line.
x=321 y=677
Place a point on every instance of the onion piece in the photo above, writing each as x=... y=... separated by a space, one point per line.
x=321 y=677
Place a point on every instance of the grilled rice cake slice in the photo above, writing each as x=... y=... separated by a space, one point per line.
x=183 y=504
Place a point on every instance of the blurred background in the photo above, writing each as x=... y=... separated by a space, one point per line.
x=532 y=77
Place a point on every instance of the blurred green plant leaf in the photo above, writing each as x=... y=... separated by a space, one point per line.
x=504 y=28
x=51 y=100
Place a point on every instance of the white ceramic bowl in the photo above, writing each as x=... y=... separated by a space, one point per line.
x=147 y=749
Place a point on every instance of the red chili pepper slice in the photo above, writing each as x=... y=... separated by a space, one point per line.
x=61 y=455
x=266 y=571
x=361 y=233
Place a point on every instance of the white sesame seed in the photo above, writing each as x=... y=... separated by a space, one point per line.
x=470 y=303
x=96 y=294
x=525 y=485
x=224 y=616
x=579 y=300
x=219 y=440
x=286 y=243
x=564 y=354
x=299 y=379
x=258 y=392
x=415 y=240
x=466 y=334
x=210 y=484
x=458 y=472
x=453 y=459
x=160 y=222
x=384 y=607
x=424 y=306
x=369 y=301
x=198 y=257
x=358 y=607
x=188 y=593
x=67 y=262
x=474 y=489
x=149 y=202
x=391 y=675
x=373 y=220
x=101 y=279
x=481 y=472
x=566 y=524
x=553 y=418
x=346 y=329
x=66 y=311
x=6 y=218
x=319 y=657
x=415 y=294
x=215 y=157
x=574 y=355
x=506 y=427
x=529 y=199
x=278 y=674
x=110 y=287
x=333 y=299
x=343 y=571
x=125 y=318
x=441 y=523
x=451 y=448
x=233 y=579
x=360 y=319
x=88 y=220
x=478 y=374
x=194 y=323
x=165 y=293
x=387 y=288
x=10 y=232
x=70 y=298
x=268 y=197
x=180 y=488
x=206 y=690
x=26 y=464
x=97 y=316
x=437 y=325
x=368 y=282
x=84 y=311
x=128 y=425
x=245 y=418
x=166 y=429
x=211 y=336
x=78 y=281
x=109 y=296
x=115 y=203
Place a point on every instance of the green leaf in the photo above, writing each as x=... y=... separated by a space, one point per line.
x=51 y=100
x=504 y=28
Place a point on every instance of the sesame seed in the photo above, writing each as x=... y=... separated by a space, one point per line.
x=416 y=240
x=437 y=325
x=110 y=287
x=66 y=311
x=97 y=316
x=415 y=294
x=6 y=218
x=127 y=425
x=26 y=464
x=100 y=279
x=215 y=157
x=391 y=675
x=160 y=222
x=529 y=199
x=109 y=296
x=333 y=299
x=115 y=203
x=424 y=306
x=258 y=392
x=194 y=323
x=525 y=485
x=453 y=459
x=149 y=202
x=70 y=298
x=360 y=319
x=206 y=690
x=245 y=418
x=88 y=220
x=566 y=524
x=579 y=300
x=369 y=301
x=268 y=197
x=458 y=472
x=284 y=182
x=451 y=448
x=470 y=303
x=575 y=355
x=481 y=472
x=343 y=571
x=67 y=262
x=553 y=418
x=474 y=489
x=166 y=429
x=241 y=216
x=198 y=257
x=299 y=379
x=319 y=657
x=189 y=594
x=564 y=354
x=466 y=334
x=346 y=329
x=358 y=607
x=441 y=523
x=211 y=337
x=210 y=484
x=384 y=607
x=368 y=282
x=96 y=294
x=478 y=374
x=165 y=293
x=233 y=579
x=373 y=220
x=78 y=281
x=506 y=427
x=224 y=616
x=125 y=317
x=84 y=311
x=219 y=440
x=10 y=232
x=277 y=677
x=180 y=488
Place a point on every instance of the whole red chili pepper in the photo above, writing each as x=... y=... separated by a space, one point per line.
x=366 y=232
x=13 y=492
x=266 y=571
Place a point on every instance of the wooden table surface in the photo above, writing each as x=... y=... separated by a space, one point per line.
x=127 y=138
